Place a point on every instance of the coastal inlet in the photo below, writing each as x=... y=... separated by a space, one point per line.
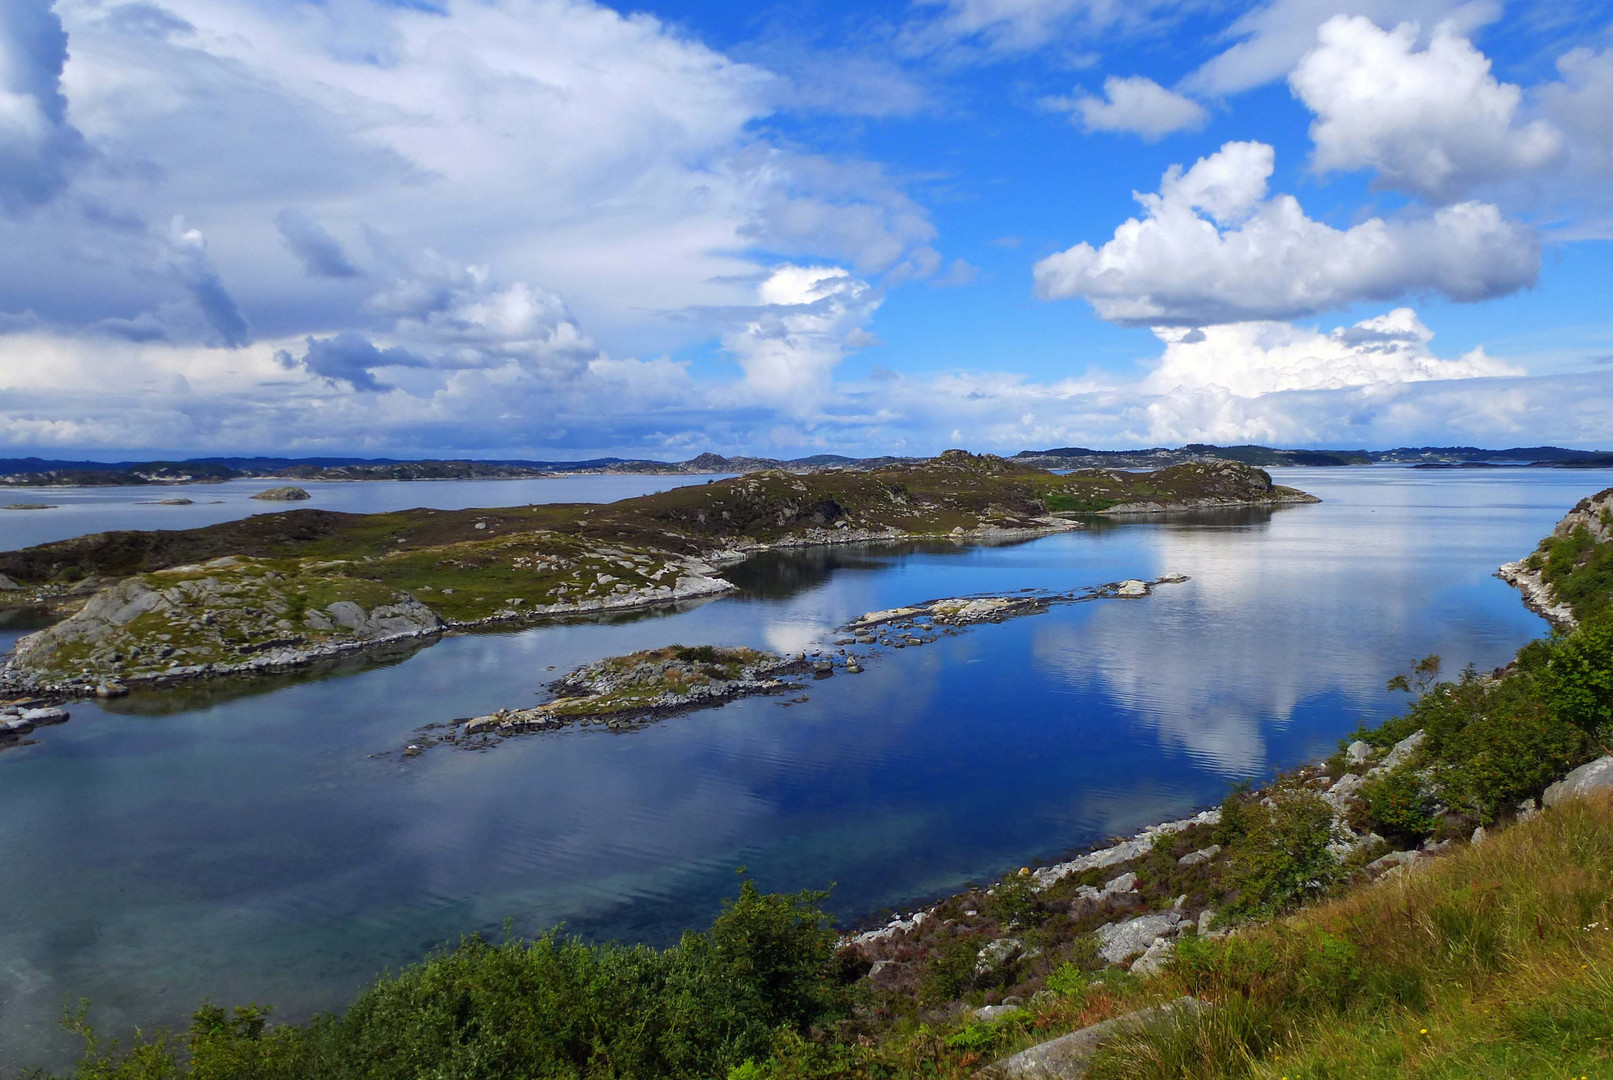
x=623 y=693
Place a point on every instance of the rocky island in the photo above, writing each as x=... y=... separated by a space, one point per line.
x=272 y=592
x=621 y=693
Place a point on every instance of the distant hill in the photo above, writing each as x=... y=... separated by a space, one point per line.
x=42 y=472
x=1076 y=457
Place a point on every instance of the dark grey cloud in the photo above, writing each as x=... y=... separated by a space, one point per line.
x=188 y=260
x=38 y=154
x=143 y=327
x=320 y=252
x=350 y=357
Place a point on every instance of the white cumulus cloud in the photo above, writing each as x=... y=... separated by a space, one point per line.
x=1254 y=358
x=1432 y=121
x=1212 y=248
x=1136 y=104
x=806 y=320
x=1269 y=38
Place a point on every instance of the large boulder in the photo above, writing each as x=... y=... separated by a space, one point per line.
x=1068 y=1057
x=1585 y=780
x=997 y=955
x=1400 y=752
x=1154 y=960
x=1119 y=942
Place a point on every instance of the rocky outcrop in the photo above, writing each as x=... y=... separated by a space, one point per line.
x=1538 y=596
x=229 y=616
x=622 y=690
x=1593 y=515
x=1068 y=1057
x=18 y=720
x=283 y=494
x=1210 y=485
x=1588 y=779
x=1125 y=851
x=1119 y=942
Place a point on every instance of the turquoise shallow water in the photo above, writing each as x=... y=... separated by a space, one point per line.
x=240 y=844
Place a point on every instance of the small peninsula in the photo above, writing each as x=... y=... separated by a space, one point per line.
x=272 y=592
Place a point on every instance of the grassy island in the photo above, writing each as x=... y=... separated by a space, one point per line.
x=272 y=591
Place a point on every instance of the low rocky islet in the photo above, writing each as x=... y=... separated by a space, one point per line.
x=626 y=692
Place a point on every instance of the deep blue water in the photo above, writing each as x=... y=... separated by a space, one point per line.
x=158 y=851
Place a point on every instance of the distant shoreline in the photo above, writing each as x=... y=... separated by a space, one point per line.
x=19 y=473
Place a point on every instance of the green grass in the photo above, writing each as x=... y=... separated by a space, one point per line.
x=1495 y=962
x=928 y=498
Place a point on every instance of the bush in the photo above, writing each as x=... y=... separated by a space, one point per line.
x=1577 y=680
x=1013 y=901
x=950 y=972
x=1281 y=854
x=551 y=1007
x=1238 y=812
x=1399 y=806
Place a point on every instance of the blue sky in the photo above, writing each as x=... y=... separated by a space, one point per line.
x=553 y=228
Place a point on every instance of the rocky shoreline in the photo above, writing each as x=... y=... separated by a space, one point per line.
x=1590 y=521
x=273 y=594
x=1537 y=596
x=1101 y=892
x=1126 y=903
x=625 y=693
x=697 y=580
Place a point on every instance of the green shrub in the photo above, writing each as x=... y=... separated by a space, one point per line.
x=1506 y=755
x=1069 y=980
x=1577 y=680
x=1399 y=805
x=1281 y=855
x=1238 y=811
x=1013 y=901
x=976 y=1037
x=950 y=971
x=551 y=1007
x=1580 y=571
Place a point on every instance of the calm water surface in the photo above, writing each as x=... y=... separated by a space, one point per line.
x=76 y=511
x=240 y=844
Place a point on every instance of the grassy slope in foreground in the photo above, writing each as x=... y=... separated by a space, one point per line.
x=271 y=591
